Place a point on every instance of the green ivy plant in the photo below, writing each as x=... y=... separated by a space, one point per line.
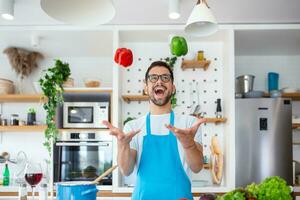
x=171 y=62
x=51 y=85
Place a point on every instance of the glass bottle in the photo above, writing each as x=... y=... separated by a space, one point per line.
x=43 y=192
x=23 y=191
x=219 y=109
x=6 y=175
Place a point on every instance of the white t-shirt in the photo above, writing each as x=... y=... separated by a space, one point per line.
x=158 y=128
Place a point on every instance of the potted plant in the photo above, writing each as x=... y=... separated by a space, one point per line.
x=52 y=88
x=31 y=116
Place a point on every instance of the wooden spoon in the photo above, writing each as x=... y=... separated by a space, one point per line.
x=96 y=181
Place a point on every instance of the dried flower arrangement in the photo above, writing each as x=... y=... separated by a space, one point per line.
x=22 y=61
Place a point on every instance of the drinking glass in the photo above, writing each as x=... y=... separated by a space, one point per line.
x=33 y=175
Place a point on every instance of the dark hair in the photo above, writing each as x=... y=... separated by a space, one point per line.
x=159 y=64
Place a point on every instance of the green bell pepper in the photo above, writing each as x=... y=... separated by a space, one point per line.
x=179 y=46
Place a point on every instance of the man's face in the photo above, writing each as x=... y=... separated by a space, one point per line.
x=159 y=85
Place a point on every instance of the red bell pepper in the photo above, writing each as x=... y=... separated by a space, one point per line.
x=123 y=57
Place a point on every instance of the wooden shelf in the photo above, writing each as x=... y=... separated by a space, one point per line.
x=23 y=128
x=88 y=89
x=296 y=126
x=216 y=120
x=192 y=64
x=293 y=96
x=22 y=98
x=129 y=98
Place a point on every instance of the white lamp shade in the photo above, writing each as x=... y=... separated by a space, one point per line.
x=7 y=9
x=201 y=21
x=80 y=12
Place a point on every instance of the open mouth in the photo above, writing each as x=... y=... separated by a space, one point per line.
x=159 y=91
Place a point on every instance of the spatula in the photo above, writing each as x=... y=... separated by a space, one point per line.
x=97 y=180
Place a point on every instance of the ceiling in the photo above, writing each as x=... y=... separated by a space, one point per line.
x=28 y=12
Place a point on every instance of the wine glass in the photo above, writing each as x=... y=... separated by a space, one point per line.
x=33 y=175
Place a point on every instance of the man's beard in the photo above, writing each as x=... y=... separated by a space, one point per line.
x=160 y=102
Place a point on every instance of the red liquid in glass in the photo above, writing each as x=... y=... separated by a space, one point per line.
x=33 y=178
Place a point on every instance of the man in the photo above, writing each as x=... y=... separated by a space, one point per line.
x=165 y=147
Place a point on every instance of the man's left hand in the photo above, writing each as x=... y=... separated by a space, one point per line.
x=186 y=136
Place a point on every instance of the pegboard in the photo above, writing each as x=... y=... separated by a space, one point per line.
x=193 y=86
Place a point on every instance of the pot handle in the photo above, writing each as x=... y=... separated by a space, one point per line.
x=89 y=191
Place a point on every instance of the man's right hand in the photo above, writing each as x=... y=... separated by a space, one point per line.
x=126 y=157
x=123 y=139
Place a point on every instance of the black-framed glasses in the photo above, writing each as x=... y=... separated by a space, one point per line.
x=153 y=78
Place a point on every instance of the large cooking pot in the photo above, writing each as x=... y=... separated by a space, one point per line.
x=244 y=84
x=76 y=190
x=80 y=190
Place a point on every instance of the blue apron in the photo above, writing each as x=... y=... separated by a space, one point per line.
x=160 y=175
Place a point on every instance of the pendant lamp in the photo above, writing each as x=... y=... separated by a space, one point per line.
x=7 y=9
x=80 y=12
x=201 y=21
x=174 y=9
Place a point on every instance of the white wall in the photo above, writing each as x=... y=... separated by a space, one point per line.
x=287 y=66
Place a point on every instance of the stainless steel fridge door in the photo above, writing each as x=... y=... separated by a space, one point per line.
x=263 y=139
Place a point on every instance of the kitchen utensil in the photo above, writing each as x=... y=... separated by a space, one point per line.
x=97 y=180
x=273 y=81
x=190 y=96
x=196 y=111
x=80 y=190
x=244 y=83
x=254 y=94
x=5 y=156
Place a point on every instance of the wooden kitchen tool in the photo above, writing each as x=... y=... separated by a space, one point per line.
x=104 y=174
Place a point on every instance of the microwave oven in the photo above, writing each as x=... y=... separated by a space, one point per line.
x=85 y=114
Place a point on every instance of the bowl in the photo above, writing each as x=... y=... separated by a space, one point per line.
x=6 y=86
x=92 y=82
x=254 y=94
x=289 y=90
x=275 y=94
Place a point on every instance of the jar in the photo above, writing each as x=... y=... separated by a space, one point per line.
x=14 y=119
x=43 y=192
x=200 y=56
x=3 y=122
x=22 y=192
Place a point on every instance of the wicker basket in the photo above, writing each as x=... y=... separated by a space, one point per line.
x=92 y=83
x=6 y=86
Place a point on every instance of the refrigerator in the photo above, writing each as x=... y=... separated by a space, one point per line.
x=263 y=140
